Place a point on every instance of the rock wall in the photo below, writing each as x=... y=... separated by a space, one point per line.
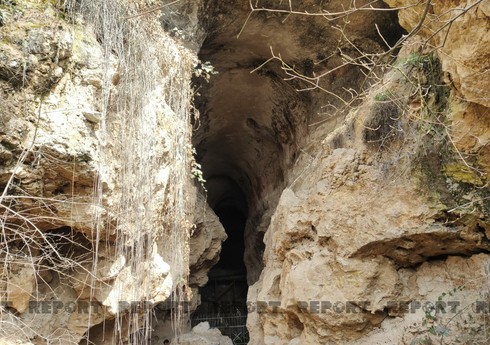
x=95 y=158
x=387 y=225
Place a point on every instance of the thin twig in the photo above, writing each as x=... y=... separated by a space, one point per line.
x=158 y=8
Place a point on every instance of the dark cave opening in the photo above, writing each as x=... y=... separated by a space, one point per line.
x=227 y=287
x=224 y=297
x=226 y=290
x=233 y=249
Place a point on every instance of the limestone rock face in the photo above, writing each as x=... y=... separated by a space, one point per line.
x=94 y=216
x=320 y=257
x=205 y=243
x=253 y=125
x=20 y=285
x=374 y=241
x=47 y=165
x=461 y=36
x=366 y=224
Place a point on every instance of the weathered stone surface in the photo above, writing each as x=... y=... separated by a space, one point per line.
x=304 y=265
x=374 y=225
x=59 y=317
x=461 y=37
x=455 y=285
x=205 y=243
x=75 y=226
x=156 y=286
x=253 y=125
x=20 y=286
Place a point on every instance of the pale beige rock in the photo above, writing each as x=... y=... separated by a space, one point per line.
x=157 y=280
x=20 y=285
x=54 y=150
x=58 y=318
x=352 y=224
x=201 y=334
x=345 y=229
x=205 y=242
x=451 y=283
x=462 y=46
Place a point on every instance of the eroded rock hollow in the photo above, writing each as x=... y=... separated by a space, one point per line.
x=253 y=122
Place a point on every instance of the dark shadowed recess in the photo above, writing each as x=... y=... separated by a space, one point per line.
x=253 y=126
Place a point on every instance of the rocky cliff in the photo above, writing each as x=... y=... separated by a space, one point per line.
x=95 y=171
x=353 y=139
x=386 y=225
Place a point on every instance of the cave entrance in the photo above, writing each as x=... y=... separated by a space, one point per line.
x=252 y=126
x=226 y=290
x=224 y=297
x=231 y=259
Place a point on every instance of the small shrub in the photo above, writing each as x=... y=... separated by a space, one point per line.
x=381 y=97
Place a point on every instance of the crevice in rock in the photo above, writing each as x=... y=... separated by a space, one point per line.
x=104 y=333
x=226 y=289
x=225 y=294
x=97 y=333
